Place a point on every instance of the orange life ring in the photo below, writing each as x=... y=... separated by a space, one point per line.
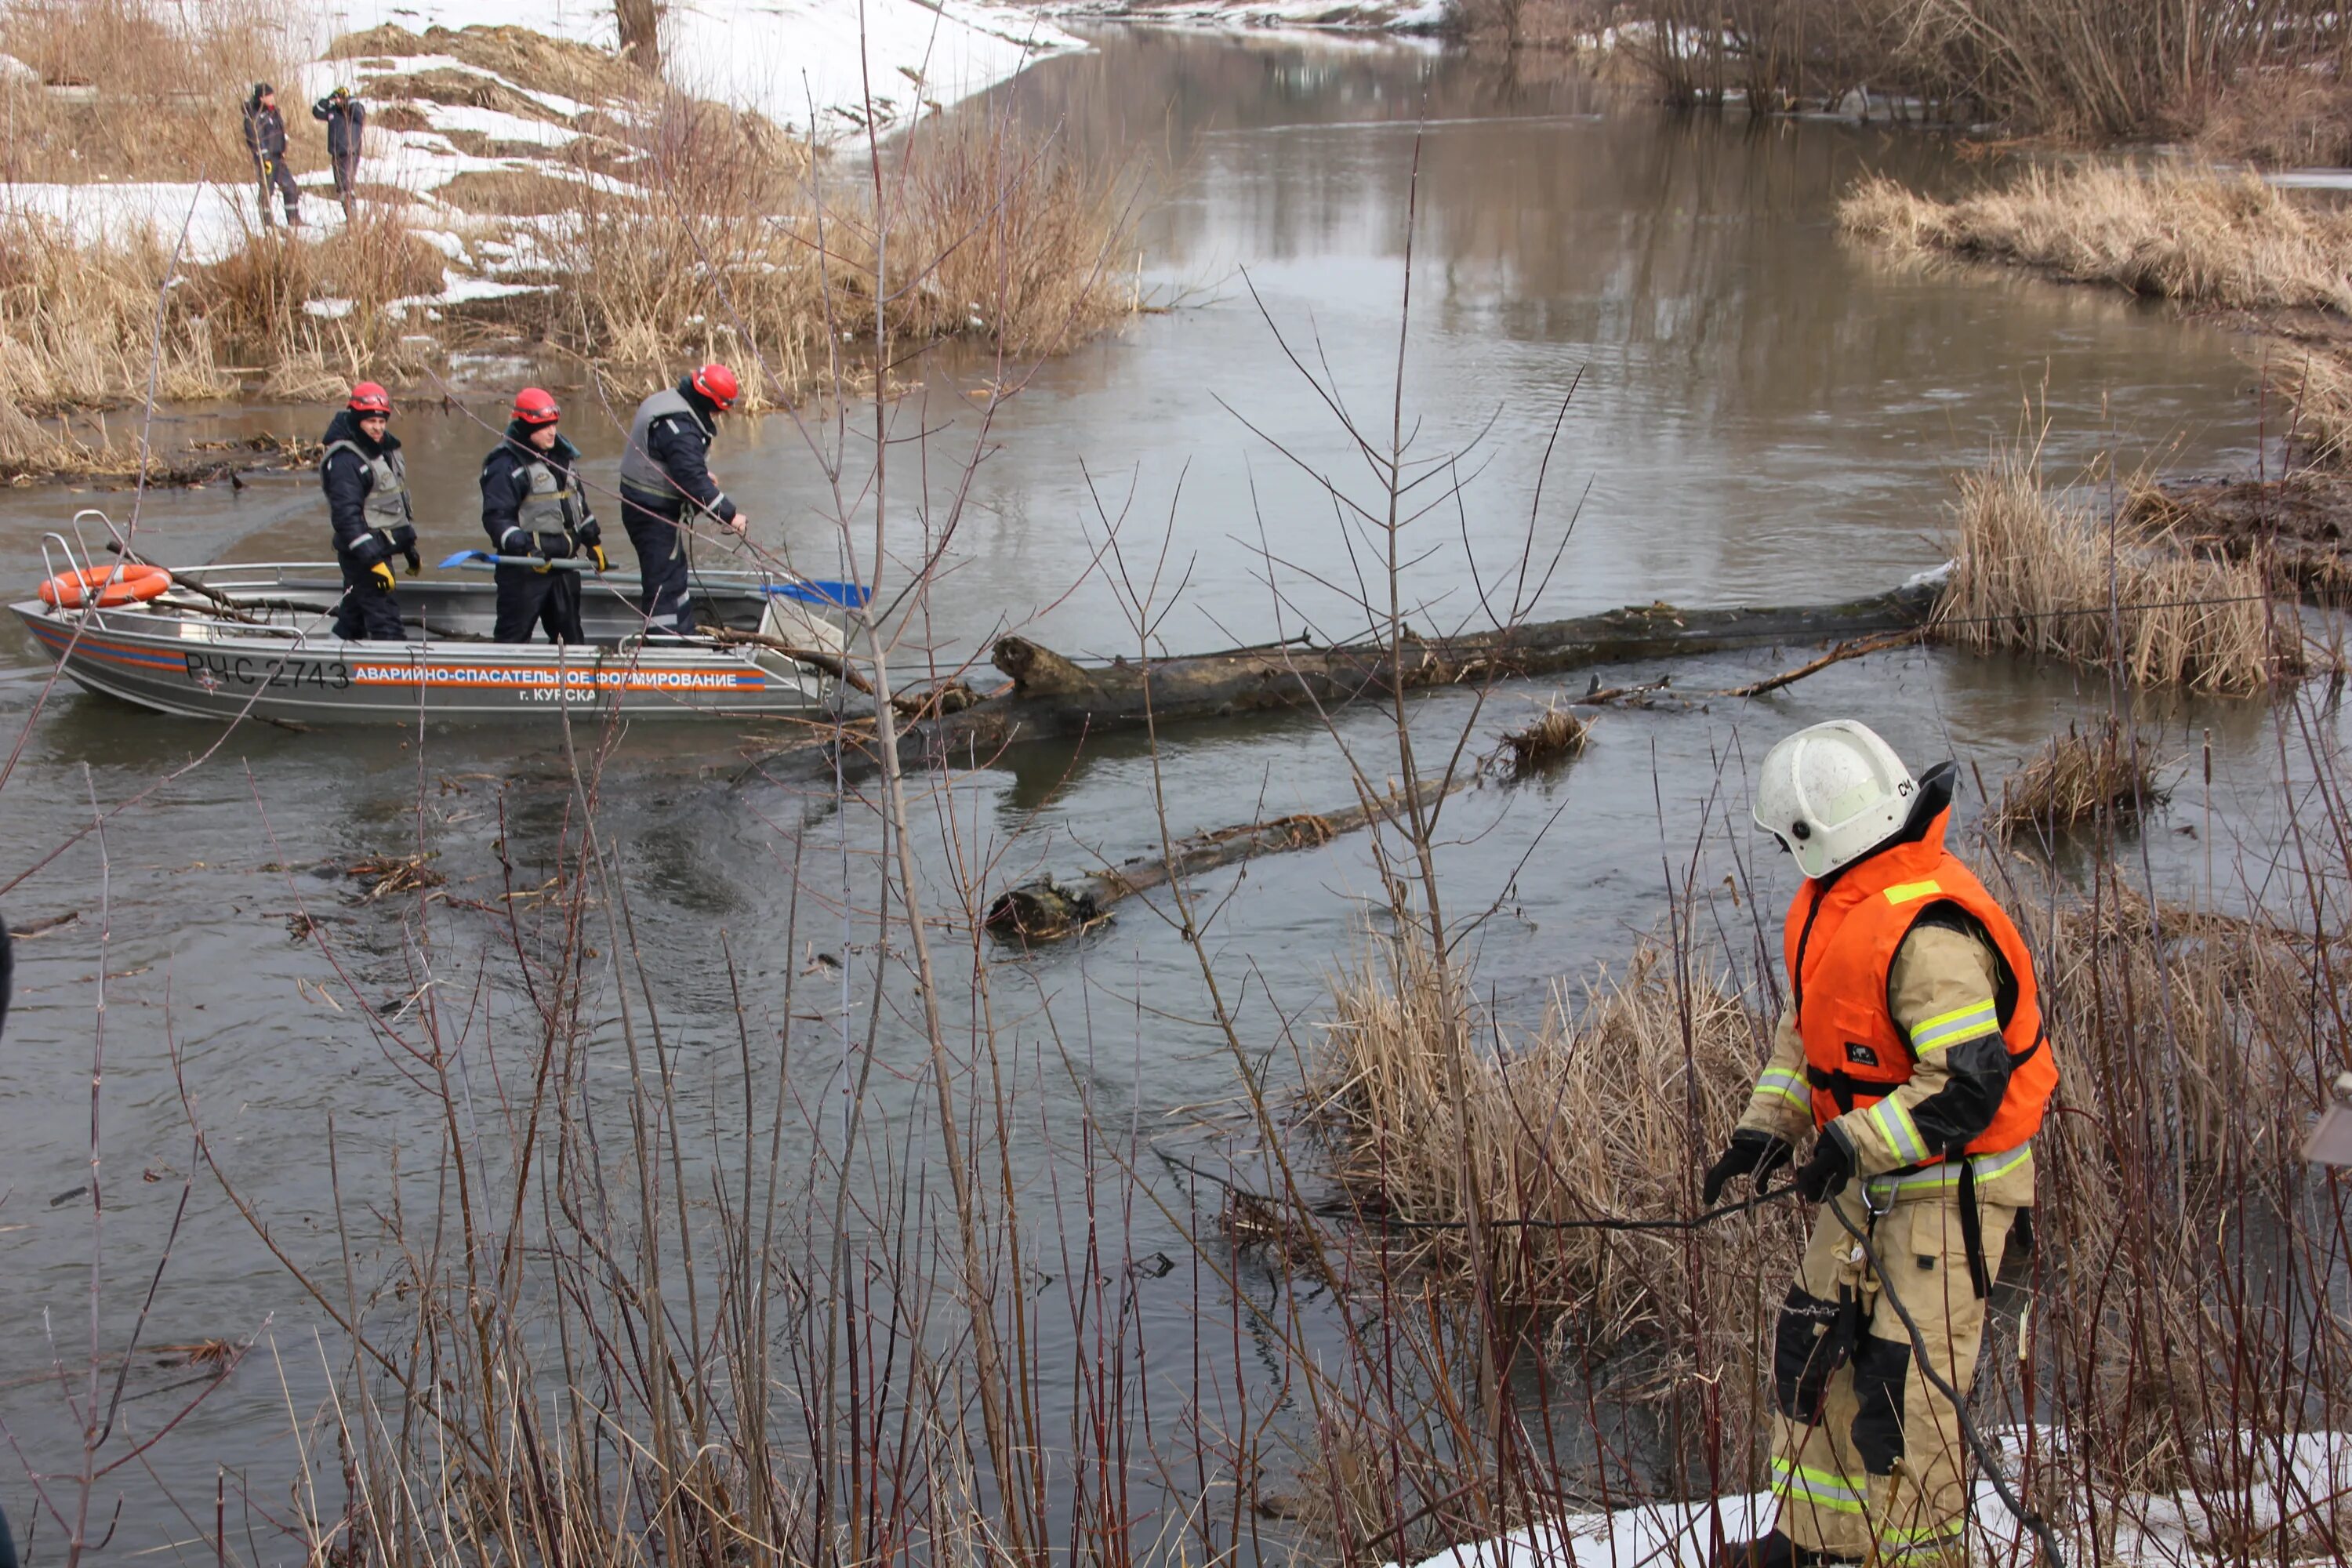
x=71 y=590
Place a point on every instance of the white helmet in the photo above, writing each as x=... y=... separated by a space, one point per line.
x=1832 y=794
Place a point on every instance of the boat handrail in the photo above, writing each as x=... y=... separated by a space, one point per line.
x=49 y=573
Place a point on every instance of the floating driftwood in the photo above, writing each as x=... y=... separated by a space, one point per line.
x=1047 y=911
x=1051 y=696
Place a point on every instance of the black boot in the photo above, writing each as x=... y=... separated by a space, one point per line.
x=1773 y=1551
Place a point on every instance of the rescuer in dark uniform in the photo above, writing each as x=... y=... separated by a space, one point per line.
x=367 y=503
x=532 y=505
x=346 y=121
x=265 y=137
x=665 y=486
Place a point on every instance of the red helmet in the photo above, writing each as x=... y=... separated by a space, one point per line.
x=367 y=397
x=716 y=382
x=536 y=406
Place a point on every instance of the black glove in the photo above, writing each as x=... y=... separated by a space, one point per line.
x=415 y=562
x=1752 y=1149
x=1828 y=1169
x=590 y=532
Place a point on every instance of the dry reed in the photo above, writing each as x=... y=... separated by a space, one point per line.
x=2193 y=235
x=2036 y=573
x=1550 y=738
x=1603 y=1110
x=2079 y=779
x=78 y=326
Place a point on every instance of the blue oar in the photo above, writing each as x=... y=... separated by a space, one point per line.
x=808 y=590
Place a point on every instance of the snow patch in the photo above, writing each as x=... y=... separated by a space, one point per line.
x=2293 y=1478
x=218 y=219
x=804 y=63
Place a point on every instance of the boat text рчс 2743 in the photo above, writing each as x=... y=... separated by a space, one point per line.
x=224 y=641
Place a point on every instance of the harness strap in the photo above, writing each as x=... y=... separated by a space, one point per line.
x=1972 y=1231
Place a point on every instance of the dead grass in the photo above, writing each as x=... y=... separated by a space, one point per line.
x=2197 y=235
x=168 y=84
x=528 y=58
x=1606 y=1109
x=2037 y=574
x=2079 y=780
x=75 y=320
x=1550 y=738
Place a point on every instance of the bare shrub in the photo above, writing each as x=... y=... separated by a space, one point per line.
x=1014 y=237
x=2036 y=573
x=2095 y=69
x=2284 y=116
x=735 y=250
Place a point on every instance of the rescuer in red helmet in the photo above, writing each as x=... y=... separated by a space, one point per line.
x=533 y=508
x=367 y=503
x=667 y=487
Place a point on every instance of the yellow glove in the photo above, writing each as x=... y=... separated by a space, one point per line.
x=544 y=566
x=381 y=572
x=596 y=553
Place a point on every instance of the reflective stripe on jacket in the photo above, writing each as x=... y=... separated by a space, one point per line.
x=1841 y=941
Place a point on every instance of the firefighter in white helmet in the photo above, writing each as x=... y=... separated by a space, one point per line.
x=1912 y=1053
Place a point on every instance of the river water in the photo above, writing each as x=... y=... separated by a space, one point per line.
x=1748 y=408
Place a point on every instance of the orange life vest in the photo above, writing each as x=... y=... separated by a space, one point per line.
x=1841 y=942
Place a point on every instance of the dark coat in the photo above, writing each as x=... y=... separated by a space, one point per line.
x=344 y=124
x=682 y=446
x=265 y=132
x=347 y=480
x=504 y=488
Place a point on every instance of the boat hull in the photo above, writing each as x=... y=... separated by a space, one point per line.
x=177 y=660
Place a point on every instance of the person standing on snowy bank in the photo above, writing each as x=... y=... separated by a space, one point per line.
x=346 y=119
x=265 y=137
x=1913 y=1054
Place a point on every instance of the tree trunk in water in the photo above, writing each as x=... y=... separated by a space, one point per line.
x=640 y=28
x=1047 y=911
x=1051 y=696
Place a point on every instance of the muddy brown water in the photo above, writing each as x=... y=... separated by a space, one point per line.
x=1760 y=412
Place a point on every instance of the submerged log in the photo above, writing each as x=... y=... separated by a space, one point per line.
x=1048 y=911
x=1051 y=696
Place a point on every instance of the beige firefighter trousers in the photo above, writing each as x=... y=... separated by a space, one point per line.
x=1867 y=1458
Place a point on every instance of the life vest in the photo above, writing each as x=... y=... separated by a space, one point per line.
x=640 y=474
x=550 y=505
x=1841 y=941
x=386 y=507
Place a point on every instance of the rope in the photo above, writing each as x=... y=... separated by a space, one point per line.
x=1987 y=1457
x=1603 y=1222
